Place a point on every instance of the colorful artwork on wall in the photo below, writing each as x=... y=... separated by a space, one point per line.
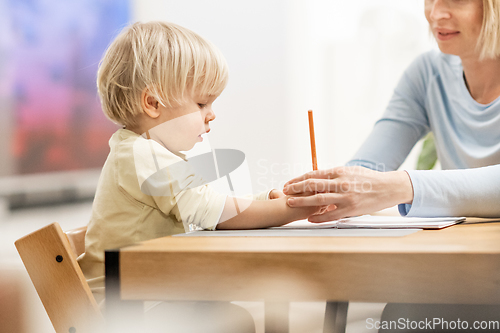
x=50 y=51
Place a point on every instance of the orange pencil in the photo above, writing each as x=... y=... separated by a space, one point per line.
x=313 y=141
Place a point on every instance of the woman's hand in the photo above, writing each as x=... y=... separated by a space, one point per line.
x=348 y=191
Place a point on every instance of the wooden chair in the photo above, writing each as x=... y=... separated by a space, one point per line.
x=49 y=256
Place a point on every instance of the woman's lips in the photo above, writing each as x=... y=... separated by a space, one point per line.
x=445 y=34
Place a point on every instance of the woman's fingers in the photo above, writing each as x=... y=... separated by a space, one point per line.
x=347 y=191
x=319 y=199
x=325 y=209
x=304 y=194
x=331 y=215
x=310 y=186
x=318 y=174
x=311 y=174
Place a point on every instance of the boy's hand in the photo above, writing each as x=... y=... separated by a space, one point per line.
x=275 y=194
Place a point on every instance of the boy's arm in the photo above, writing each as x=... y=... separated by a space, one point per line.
x=242 y=213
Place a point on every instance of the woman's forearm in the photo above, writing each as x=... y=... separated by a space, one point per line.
x=399 y=186
x=464 y=192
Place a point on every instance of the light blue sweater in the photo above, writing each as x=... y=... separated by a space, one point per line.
x=432 y=96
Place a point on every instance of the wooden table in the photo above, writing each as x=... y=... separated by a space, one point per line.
x=456 y=265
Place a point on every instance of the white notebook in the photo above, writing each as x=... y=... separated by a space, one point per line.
x=379 y=222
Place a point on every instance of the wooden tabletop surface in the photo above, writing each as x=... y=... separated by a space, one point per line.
x=459 y=264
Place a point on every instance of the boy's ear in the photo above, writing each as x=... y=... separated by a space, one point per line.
x=149 y=104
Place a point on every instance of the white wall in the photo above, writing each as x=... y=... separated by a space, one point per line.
x=355 y=54
x=340 y=58
x=252 y=36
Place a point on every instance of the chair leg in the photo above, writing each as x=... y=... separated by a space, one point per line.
x=335 y=317
x=276 y=317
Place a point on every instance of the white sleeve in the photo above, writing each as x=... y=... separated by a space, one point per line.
x=464 y=192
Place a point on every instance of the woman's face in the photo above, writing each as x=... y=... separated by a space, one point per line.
x=456 y=25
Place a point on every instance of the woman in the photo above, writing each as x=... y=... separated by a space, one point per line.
x=453 y=93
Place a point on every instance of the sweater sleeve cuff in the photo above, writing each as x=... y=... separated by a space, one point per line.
x=413 y=209
x=262 y=195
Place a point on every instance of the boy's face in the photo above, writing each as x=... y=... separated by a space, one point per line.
x=181 y=126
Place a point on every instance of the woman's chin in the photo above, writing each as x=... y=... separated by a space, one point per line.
x=448 y=49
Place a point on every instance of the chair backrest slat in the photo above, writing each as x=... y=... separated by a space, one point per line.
x=59 y=281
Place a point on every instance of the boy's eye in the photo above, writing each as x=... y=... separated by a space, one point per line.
x=201 y=105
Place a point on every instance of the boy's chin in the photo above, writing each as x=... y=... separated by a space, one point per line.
x=187 y=147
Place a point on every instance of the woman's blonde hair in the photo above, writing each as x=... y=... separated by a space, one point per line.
x=489 y=39
x=162 y=57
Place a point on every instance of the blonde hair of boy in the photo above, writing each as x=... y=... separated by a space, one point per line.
x=168 y=60
x=489 y=39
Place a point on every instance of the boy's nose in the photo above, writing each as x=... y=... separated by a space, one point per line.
x=210 y=115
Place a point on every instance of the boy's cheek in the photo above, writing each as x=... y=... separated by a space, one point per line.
x=179 y=134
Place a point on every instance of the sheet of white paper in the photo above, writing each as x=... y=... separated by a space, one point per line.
x=305 y=224
x=276 y=232
x=378 y=222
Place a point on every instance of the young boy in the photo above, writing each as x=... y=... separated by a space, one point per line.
x=159 y=81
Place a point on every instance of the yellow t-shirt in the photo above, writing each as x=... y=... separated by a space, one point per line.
x=144 y=192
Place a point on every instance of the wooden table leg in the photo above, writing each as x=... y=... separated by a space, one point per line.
x=335 y=317
x=121 y=316
x=276 y=317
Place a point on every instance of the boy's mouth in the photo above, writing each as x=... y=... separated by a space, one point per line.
x=200 y=137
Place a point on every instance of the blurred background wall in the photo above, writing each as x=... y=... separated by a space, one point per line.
x=340 y=58
x=50 y=52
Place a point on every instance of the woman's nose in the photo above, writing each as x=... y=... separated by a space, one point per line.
x=439 y=10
